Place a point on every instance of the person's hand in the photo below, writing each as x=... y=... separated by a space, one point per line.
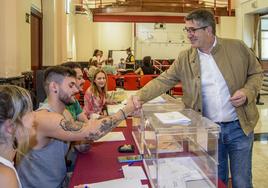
x=130 y=107
x=136 y=101
x=83 y=146
x=238 y=98
x=133 y=107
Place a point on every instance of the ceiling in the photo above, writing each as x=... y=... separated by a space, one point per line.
x=127 y=8
x=219 y=7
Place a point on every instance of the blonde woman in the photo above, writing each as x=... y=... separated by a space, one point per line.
x=16 y=119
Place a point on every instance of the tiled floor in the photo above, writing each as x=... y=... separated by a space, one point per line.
x=260 y=148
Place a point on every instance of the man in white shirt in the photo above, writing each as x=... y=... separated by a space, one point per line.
x=220 y=79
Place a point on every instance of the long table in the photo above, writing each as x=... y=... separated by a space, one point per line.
x=100 y=163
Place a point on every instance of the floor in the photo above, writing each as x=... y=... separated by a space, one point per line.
x=260 y=148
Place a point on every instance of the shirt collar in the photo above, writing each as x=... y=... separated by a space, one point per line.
x=214 y=44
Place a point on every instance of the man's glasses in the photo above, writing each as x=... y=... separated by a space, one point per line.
x=192 y=30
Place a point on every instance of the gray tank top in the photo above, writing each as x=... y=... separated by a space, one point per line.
x=45 y=167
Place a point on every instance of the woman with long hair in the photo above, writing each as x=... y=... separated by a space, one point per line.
x=16 y=119
x=96 y=95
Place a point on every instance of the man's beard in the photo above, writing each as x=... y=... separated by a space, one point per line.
x=65 y=98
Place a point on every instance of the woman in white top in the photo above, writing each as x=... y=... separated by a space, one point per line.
x=16 y=119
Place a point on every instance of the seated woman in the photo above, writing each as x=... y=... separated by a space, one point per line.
x=147 y=67
x=96 y=97
x=109 y=68
x=16 y=119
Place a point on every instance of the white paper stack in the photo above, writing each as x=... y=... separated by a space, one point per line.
x=173 y=118
x=133 y=172
x=157 y=100
x=112 y=136
x=117 y=183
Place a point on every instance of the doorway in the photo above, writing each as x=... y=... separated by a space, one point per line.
x=36 y=43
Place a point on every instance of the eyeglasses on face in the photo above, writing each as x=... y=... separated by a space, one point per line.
x=192 y=29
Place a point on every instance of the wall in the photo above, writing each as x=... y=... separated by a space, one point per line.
x=15 y=37
x=103 y=36
x=245 y=10
x=54 y=32
x=15 y=48
x=160 y=43
x=84 y=38
x=112 y=36
x=24 y=36
x=227 y=27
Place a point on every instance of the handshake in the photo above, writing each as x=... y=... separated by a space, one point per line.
x=133 y=106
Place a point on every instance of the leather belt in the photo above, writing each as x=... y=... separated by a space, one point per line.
x=227 y=122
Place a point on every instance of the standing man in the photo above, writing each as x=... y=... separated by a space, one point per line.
x=44 y=165
x=130 y=60
x=220 y=79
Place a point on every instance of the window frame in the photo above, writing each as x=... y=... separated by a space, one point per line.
x=261 y=37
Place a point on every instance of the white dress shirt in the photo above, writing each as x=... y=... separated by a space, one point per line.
x=215 y=93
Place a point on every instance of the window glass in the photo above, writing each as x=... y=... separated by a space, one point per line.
x=264 y=24
x=264 y=39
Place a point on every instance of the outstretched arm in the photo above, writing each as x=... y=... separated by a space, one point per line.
x=54 y=125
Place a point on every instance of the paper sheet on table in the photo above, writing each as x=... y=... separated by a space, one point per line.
x=173 y=118
x=136 y=121
x=117 y=183
x=122 y=124
x=175 y=172
x=144 y=186
x=112 y=136
x=133 y=172
x=157 y=100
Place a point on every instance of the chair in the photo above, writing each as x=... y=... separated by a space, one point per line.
x=177 y=90
x=131 y=82
x=145 y=79
x=111 y=83
x=80 y=96
x=40 y=91
x=86 y=85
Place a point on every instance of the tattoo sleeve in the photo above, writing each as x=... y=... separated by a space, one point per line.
x=106 y=126
x=71 y=125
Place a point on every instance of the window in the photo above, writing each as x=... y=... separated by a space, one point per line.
x=264 y=38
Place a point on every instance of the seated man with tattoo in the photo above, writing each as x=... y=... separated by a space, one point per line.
x=44 y=165
x=76 y=111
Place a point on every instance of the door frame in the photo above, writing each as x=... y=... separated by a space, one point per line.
x=39 y=16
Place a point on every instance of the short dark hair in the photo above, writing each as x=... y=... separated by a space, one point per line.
x=128 y=49
x=146 y=61
x=72 y=65
x=57 y=74
x=203 y=16
x=95 y=52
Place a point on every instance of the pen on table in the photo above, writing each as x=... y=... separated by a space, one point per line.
x=130 y=164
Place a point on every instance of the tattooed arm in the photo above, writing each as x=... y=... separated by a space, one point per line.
x=54 y=125
x=105 y=125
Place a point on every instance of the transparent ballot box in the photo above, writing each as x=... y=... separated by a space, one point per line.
x=159 y=103
x=180 y=148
